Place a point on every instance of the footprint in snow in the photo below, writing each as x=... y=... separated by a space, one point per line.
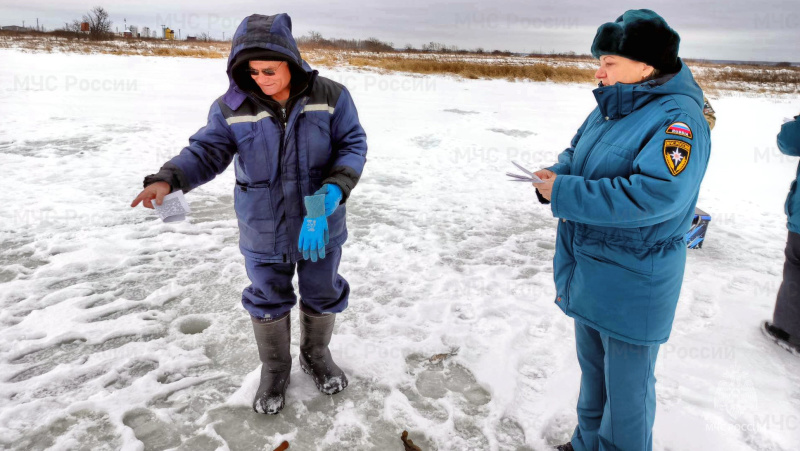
x=150 y=430
x=436 y=377
x=512 y=133
x=559 y=428
x=461 y=112
x=426 y=142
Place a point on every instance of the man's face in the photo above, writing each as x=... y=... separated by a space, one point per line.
x=273 y=77
x=618 y=69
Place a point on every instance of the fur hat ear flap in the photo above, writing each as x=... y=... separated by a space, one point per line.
x=607 y=40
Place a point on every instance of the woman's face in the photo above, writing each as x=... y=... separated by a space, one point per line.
x=618 y=69
x=273 y=84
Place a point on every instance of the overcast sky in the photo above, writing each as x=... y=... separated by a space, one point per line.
x=758 y=30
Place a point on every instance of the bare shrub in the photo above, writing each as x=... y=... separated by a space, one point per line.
x=99 y=23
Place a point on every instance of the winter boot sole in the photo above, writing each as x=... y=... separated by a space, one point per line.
x=269 y=410
x=337 y=388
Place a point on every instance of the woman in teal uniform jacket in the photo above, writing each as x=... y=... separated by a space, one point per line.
x=625 y=193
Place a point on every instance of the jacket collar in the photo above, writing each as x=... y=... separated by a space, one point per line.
x=235 y=96
x=621 y=99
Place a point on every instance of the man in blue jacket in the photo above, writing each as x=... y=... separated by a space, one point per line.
x=785 y=326
x=298 y=150
x=625 y=192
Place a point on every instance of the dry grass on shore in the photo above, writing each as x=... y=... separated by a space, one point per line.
x=472 y=70
x=713 y=78
x=763 y=76
x=145 y=47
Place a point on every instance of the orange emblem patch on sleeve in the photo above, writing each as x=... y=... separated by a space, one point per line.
x=676 y=154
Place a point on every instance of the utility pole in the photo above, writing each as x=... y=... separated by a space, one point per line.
x=179 y=34
x=37 y=24
x=223 y=36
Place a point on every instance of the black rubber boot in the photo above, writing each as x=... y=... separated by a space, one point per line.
x=273 y=338
x=315 y=357
x=781 y=338
x=565 y=447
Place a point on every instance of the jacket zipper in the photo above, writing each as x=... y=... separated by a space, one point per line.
x=589 y=153
x=571 y=275
x=583 y=166
x=283 y=123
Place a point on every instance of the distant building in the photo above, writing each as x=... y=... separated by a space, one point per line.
x=191 y=38
x=146 y=32
x=169 y=34
x=14 y=28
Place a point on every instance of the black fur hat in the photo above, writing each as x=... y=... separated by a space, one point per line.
x=641 y=35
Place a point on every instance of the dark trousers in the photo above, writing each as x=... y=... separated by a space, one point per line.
x=617 y=401
x=271 y=294
x=787 y=307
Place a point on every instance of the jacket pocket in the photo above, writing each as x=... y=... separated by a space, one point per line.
x=316 y=135
x=245 y=139
x=610 y=294
x=598 y=260
x=323 y=124
x=564 y=263
x=609 y=161
x=254 y=212
x=315 y=179
x=254 y=161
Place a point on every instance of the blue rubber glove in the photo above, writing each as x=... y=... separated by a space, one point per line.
x=333 y=197
x=314 y=233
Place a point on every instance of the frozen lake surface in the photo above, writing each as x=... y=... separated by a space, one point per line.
x=120 y=332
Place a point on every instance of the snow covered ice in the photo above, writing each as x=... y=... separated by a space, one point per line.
x=120 y=331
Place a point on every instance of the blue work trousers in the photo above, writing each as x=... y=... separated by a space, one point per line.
x=271 y=294
x=617 y=402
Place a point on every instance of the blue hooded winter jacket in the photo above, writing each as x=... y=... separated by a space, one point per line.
x=789 y=143
x=279 y=157
x=626 y=192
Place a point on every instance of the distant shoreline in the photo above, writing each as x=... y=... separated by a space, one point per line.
x=713 y=76
x=319 y=43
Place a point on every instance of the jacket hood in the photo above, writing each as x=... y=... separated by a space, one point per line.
x=261 y=33
x=621 y=99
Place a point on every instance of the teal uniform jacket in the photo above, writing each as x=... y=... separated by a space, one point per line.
x=789 y=143
x=625 y=193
